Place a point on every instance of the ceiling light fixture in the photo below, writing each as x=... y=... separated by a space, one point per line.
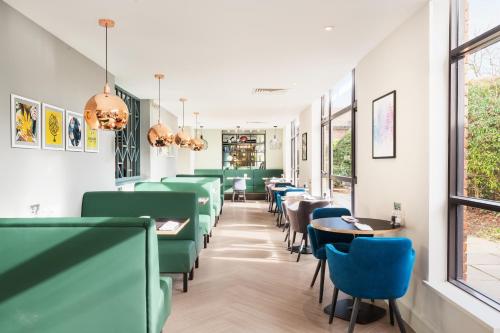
x=196 y=143
x=205 y=142
x=106 y=110
x=159 y=135
x=329 y=28
x=275 y=143
x=181 y=138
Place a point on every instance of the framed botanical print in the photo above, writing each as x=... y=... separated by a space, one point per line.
x=304 y=147
x=384 y=126
x=25 y=122
x=91 y=140
x=53 y=119
x=74 y=131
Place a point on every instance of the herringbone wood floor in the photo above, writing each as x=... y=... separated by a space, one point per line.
x=249 y=282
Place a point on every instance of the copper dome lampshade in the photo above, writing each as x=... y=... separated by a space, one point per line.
x=205 y=142
x=106 y=110
x=196 y=143
x=159 y=135
x=182 y=139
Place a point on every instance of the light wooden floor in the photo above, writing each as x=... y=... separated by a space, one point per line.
x=249 y=282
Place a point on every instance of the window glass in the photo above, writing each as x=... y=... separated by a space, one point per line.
x=481 y=124
x=341 y=145
x=477 y=17
x=342 y=192
x=480 y=263
x=342 y=93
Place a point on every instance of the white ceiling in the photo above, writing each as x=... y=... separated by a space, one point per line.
x=215 y=52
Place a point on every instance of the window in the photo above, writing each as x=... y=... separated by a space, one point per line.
x=295 y=154
x=474 y=160
x=127 y=141
x=337 y=140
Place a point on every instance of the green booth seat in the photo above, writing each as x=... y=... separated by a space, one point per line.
x=81 y=275
x=204 y=187
x=177 y=253
x=215 y=181
x=206 y=217
x=208 y=175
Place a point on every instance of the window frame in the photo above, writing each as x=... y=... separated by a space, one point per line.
x=327 y=122
x=456 y=202
x=131 y=130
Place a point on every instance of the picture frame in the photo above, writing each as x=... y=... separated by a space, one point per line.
x=53 y=129
x=384 y=126
x=25 y=117
x=304 y=146
x=75 y=131
x=91 y=140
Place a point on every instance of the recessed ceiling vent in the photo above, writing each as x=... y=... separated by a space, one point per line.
x=270 y=91
x=256 y=122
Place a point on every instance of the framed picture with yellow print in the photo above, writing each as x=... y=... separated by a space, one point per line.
x=53 y=124
x=91 y=140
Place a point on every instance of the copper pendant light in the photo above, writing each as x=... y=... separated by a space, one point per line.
x=196 y=143
x=106 y=110
x=205 y=142
x=182 y=139
x=159 y=135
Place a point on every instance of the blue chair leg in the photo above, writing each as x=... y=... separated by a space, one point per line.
x=391 y=314
x=322 y=281
x=334 y=303
x=354 y=314
x=316 y=273
x=401 y=324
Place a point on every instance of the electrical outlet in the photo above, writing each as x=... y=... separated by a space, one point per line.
x=34 y=209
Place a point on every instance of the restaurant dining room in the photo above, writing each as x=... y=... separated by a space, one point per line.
x=222 y=166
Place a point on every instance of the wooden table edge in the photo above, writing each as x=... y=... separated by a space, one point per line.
x=353 y=231
x=173 y=232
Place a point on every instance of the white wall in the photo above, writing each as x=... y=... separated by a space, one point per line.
x=212 y=157
x=413 y=61
x=37 y=65
x=310 y=123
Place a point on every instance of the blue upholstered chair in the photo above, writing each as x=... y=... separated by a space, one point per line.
x=374 y=268
x=319 y=238
x=276 y=193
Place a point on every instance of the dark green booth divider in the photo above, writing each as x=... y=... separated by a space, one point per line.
x=178 y=253
x=81 y=275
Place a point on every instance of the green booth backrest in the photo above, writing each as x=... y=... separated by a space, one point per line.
x=208 y=172
x=154 y=202
x=78 y=275
x=196 y=185
x=220 y=177
x=198 y=179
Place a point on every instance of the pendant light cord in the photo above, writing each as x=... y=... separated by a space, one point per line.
x=106 y=53
x=183 y=116
x=159 y=100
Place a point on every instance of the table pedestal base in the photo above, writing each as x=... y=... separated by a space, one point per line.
x=368 y=313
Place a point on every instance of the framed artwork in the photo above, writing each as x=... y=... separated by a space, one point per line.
x=74 y=131
x=384 y=126
x=53 y=127
x=25 y=122
x=91 y=140
x=304 y=147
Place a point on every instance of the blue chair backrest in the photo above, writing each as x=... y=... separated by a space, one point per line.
x=378 y=268
x=319 y=213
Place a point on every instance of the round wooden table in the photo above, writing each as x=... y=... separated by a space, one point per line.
x=368 y=312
